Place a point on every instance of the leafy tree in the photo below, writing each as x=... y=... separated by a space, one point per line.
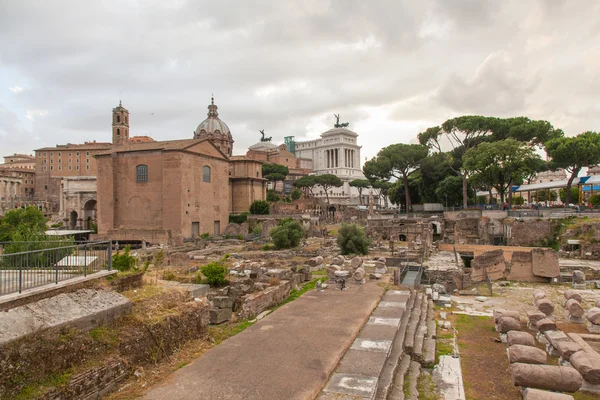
x=353 y=240
x=466 y=132
x=573 y=194
x=124 y=261
x=287 y=234
x=432 y=171
x=274 y=173
x=28 y=220
x=500 y=164
x=328 y=181
x=382 y=188
x=397 y=160
x=272 y=196
x=260 y=207
x=595 y=200
x=518 y=200
x=542 y=195
x=296 y=194
x=307 y=183
x=450 y=190
x=360 y=184
x=574 y=153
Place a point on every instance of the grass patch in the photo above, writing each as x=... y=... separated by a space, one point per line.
x=294 y=294
x=143 y=293
x=53 y=381
x=105 y=335
x=443 y=348
x=219 y=333
x=322 y=271
x=426 y=387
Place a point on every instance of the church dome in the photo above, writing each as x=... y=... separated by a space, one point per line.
x=216 y=130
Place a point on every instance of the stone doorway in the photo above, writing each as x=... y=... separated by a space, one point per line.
x=73 y=219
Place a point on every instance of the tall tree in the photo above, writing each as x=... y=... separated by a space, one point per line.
x=327 y=182
x=574 y=153
x=449 y=190
x=383 y=190
x=306 y=183
x=501 y=164
x=397 y=160
x=464 y=133
x=22 y=222
x=360 y=184
x=274 y=173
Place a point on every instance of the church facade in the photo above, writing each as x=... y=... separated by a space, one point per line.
x=170 y=191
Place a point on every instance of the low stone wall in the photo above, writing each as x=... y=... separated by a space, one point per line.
x=35 y=357
x=254 y=304
x=92 y=384
x=127 y=282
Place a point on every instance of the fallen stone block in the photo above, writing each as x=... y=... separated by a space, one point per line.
x=535 y=316
x=567 y=349
x=518 y=337
x=546 y=324
x=593 y=315
x=536 y=394
x=549 y=377
x=574 y=308
x=573 y=294
x=597 y=304
x=545 y=263
x=219 y=315
x=506 y=324
x=554 y=337
x=545 y=306
x=338 y=260
x=308 y=276
x=359 y=274
x=539 y=294
x=222 y=302
x=332 y=269
x=355 y=263
x=526 y=354
x=499 y=313
x=578 y=277
x=587 y=365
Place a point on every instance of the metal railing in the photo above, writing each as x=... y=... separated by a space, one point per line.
x=30 y=269
x=22 y=246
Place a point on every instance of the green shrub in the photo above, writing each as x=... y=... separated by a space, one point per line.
x=124 y=261
x=205 y=235
x=296 y=194
x=287 y=234
x=257 y=230
x=272 y=196
x=57 y=225
x=268 y=247
x=159 y=258
x=169 y=276
x=595 y=200
x=238 y=218
x=287 y=199
x=215 y=273
x=260 y=207
x=227 y=236
x=240 y=237
x=517 y=200
x=353 y=240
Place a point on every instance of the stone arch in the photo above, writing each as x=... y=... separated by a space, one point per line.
x=89 y=213
x=403 y=238
x=73 y=219
x=436 y=227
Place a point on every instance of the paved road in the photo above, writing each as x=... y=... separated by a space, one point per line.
x=287 y=355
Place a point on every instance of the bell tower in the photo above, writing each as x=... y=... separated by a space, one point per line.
x=120 y=125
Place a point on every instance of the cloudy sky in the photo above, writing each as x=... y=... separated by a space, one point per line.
x=390 y=68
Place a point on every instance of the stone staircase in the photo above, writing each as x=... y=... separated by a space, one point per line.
x=387 y=356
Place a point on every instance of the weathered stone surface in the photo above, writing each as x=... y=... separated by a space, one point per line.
x=546 y=324
x=597 y=304
x=255 y=303
x=573 y=294
x=380 y=267
x=506 y=324
x=219 y=315
x=587 y=365
x=490 y=262
x=545 y=306
x=545 y=263
x=338 y=260
x=521 y=268
x=567 y=349
x=536 y=394
x=356 y=262
x=359 y=274
x=535 y=316
x=307 y=276
x=555 y=337
x=593 y=315
x=222 y=302
x=549 y=377
x=539 y=294
x=499 y=313
x=518 y=337
x=316 y=261
x=578 y=276
x=526 y=354
x=332 y=269
x=84 y=309
x=574 y=308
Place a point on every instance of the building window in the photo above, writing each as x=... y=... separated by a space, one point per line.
x=87 y=160
x=77 y=154
x=87 y=153
x=118 y=118
x=60 y=160
x=59 y=153
x=60 y=167
x=70 y=161
x=45 y=167
x=45 y=154
x=45 y=187
x=141 y=173
x=70 y=168
x=51 y=154
x=87 y=167
x=70 y=154
x=206 y=173
x=51 y=168
x=77 y=167
x=118 y=132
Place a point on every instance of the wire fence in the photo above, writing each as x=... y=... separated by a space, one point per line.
x=29 y=269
